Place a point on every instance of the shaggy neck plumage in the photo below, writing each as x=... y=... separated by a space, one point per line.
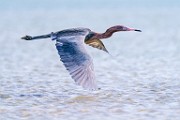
x=109 y=32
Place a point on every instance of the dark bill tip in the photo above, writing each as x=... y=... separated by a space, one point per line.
x=138 y=30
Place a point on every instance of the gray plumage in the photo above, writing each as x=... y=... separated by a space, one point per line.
x=70 y=46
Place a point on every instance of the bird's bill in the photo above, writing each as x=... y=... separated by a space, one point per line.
x=137 y=30
x=132 y=29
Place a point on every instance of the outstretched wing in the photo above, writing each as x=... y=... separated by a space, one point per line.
x=77 y=61
x=96 y=43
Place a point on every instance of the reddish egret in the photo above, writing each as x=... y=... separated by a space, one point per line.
x=70 y=45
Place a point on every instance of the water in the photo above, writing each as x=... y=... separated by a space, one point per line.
x=140 y=80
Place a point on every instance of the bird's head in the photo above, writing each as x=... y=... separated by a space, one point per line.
x=108 y=33
x=123 y=28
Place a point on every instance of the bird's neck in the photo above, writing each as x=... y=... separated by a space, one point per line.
x=107 y=34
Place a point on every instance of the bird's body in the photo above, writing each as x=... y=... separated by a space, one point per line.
x=70 y=44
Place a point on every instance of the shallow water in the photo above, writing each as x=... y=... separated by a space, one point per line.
x=140 y=80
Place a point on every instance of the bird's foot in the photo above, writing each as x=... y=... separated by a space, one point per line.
x=27 y=37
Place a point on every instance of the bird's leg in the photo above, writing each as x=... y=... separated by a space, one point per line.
x=28 y=37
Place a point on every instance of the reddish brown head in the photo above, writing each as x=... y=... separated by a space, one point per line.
x=109 y=32
x=121 y=28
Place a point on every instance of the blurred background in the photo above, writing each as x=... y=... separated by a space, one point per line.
x=139 y=80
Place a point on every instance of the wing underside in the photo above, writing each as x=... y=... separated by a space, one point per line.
x=77 y=61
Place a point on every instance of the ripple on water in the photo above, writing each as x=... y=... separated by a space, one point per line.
x=82 y=99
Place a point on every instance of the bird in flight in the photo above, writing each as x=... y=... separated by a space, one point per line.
x=70 y=44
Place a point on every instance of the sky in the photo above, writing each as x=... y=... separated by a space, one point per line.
x=14 y=5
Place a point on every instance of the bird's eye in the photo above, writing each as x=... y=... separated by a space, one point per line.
x=120 y=28
x=124 y=28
